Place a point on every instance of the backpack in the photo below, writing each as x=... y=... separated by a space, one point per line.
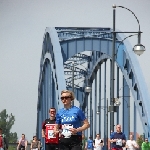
x=89 y=144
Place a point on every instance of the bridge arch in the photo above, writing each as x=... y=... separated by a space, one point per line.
x=64 y=45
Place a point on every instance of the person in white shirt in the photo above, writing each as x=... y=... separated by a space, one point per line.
x=131 y=144
x=98 y=143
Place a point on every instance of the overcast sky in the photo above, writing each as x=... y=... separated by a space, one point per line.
x=22 y=26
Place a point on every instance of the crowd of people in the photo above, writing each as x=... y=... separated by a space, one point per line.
x=63 y=130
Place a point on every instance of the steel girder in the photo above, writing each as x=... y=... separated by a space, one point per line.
x=64 y=45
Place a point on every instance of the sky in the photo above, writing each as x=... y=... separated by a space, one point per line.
x=22 y=27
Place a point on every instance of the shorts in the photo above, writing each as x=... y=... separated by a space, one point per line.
x=116 y=148
x=72 y=143
x=22 y=147
x=49 y=146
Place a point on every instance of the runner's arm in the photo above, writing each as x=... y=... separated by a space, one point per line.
x=38 y=145
x=18 y=145
x=85 y=126
x=56 y=129
x=26 y=143
x=135 y=145
x=86 y=145
x=43 y=133
x=43 y=129
x=127 y=145
x=31 y=145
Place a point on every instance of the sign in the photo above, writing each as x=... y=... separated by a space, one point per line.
x=50 y=137
x=119 y=142
x=65 y=130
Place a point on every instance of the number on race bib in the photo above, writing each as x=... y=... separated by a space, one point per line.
x=50 y=134
x=66 y=132
x=119 y=142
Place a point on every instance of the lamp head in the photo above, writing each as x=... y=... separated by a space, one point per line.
x=139 y=49
x=117 y=102
x=113 y=6
x=88 y=89
x=98 y=110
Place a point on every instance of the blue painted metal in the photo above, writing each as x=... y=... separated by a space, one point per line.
x=126 y=107
x=92 y=46
x=105 y=109
x=100 y=98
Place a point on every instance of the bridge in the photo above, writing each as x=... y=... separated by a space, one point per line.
x=80 y=59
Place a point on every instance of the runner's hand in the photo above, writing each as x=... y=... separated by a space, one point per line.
x=56 y=132
x=123 y=141
x=73 y=130
x=115 y=140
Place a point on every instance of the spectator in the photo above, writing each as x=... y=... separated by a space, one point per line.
x=146 y=145
x=22 y=145
x=89 y=144
x=3 y=141
x=35 y=145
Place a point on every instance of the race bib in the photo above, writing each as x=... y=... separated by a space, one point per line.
x=49 y=130
x=65 y=130
x=119 y=142
x=50 y=134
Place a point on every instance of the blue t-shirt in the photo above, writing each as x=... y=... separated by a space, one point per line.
x=73 y=116
x=90 y=144
x=116 y=135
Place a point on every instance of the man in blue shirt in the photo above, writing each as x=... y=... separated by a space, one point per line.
x=89 y=144
x=73 y=122
x=117 y=139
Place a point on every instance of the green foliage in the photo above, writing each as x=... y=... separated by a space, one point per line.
x=12 y=147
x=6 y=123
x=140 y=140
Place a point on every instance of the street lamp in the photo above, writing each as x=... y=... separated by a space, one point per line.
x=138 y=49
x=88 y=89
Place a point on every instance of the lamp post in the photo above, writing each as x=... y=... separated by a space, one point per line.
x=128 y=106
x=88 y=89
x=138 y=49
x=106 y=134
x=73 y=79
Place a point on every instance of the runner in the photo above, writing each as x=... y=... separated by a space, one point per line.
x=49 y=145
x=98 y=143
x=71 y=118
x=117 y=139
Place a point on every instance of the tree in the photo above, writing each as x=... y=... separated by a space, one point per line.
x=6 y=123
x=140 y=140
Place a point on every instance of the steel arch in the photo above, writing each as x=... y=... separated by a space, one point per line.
x=60 y=44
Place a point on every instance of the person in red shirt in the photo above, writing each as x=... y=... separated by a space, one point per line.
x=50 y=145
x=3 y=141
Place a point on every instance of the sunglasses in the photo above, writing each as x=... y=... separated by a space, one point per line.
x=65 y=97
x=52 y=112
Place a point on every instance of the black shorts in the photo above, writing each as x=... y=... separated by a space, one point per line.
x=72 y=143
x=49 y=146
x=21 y=147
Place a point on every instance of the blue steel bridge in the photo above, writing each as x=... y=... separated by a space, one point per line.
x=74 y=57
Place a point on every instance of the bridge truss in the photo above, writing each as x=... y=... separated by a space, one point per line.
x=88 y=51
